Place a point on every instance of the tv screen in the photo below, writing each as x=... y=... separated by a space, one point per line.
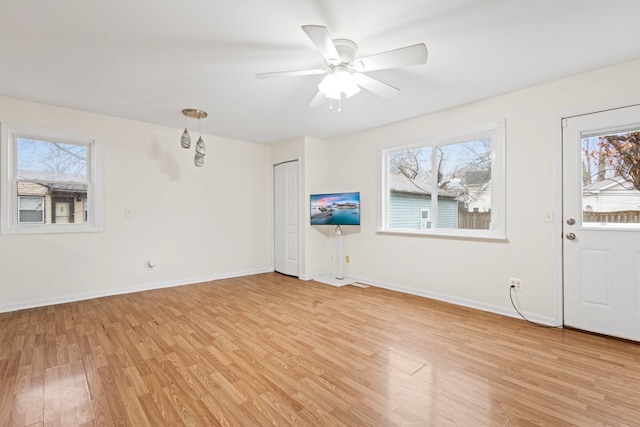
x=335 y=209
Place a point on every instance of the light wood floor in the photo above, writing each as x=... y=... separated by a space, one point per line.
x=272 y=350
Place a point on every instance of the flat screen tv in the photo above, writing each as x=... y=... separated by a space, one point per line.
x=335 y=209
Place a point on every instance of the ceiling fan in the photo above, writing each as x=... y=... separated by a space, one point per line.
x=345 y=74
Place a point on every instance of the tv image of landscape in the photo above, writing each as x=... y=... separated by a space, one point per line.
x=335 y=209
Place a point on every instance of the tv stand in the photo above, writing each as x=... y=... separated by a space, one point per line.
x=337 y=279
x=339 y=253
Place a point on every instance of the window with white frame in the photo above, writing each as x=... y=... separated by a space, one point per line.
x=49 y=182
x=31 y=209
x=448 y=186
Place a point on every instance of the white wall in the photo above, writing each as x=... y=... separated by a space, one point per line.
x=318 y=171
x=196 y=224
x=476 y=272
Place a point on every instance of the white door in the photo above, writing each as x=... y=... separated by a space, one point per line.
x=286 y=218
x=63 y=212
x=601 y=222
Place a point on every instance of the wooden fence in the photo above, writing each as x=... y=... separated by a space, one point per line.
x=612 y=217
x=482 y=220
x=474 y=220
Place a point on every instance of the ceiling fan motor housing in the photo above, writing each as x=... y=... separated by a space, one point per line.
x=346 y=49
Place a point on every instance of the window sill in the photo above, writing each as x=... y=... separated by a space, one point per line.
x=49 y=229
x=494 y=237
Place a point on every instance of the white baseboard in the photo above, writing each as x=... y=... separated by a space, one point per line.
x=126 y=290
x=327 y=278
x=549 y=321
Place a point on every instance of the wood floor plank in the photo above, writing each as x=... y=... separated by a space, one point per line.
x=160 y=401
x=271 y=350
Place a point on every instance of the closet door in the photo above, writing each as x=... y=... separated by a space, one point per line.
x=287 y=226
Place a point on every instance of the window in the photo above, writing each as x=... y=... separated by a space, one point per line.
x=49 y=182
x=450 y=186
x=31 y=209
x=611 y=180
x=425 y=219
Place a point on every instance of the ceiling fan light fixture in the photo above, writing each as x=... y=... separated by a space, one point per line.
x=339 y=84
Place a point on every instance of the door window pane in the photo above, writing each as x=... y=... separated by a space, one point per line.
x=611 y=179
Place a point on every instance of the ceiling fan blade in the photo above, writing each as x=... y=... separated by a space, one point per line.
x=317 y=100
x=291 y=73
x=381 y=89
x=410 y=55
x=320 y=37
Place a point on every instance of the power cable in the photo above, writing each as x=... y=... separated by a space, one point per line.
x=512 y=288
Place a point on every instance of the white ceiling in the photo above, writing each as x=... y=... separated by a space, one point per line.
x=148 y=59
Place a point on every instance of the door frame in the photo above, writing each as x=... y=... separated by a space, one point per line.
x=558 y=262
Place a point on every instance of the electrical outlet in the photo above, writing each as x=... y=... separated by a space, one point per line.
x=517 y=284
x=346 y=259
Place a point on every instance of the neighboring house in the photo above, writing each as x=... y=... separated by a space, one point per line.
x=410 y=205
x=610 y=195
x=51 y=204
x=477 y=196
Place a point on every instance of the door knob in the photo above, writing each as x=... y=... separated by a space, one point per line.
x=571 y=221
x=571 y=236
